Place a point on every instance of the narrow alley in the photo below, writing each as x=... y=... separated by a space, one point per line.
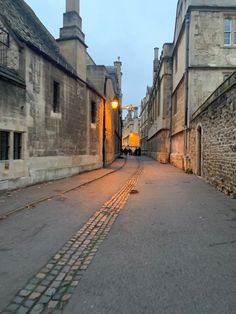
x=138 y=237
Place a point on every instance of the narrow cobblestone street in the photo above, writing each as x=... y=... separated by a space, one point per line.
x=139 y=237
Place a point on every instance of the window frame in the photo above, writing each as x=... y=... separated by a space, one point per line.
x=4 y=46
x=56 y=97
x=231 y=32
x=234 y=31
x=4 y=147
x=93 y=112
x=17 y=149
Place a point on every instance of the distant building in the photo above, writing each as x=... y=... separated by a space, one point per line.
x=159 y=106
x=144 y=127
x=130 y=130
x=51 y=105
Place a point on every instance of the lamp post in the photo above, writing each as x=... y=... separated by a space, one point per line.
x=114 y=105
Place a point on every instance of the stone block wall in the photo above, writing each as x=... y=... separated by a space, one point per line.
x=13 y=119
x=217 y=122
x=54 y=133
x=159 y=146
x=65 y=142
x=54 y=144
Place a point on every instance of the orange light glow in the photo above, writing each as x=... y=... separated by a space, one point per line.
x=115 y=104
x=134 y=140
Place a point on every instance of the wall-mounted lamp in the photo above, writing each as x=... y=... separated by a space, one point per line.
x=115 y=103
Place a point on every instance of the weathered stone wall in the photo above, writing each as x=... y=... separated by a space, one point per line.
x=207 y=40
x=60 y=143
x=13 y=55
x=58 y=110
x=217 y=120
x=13 y=119
x=159 y=146
x=183 y=6
x=55 y=144
x=160 y=108
x=179 y=58
x=177 y=150
x=201 y=85
x=178 y=116
x=50 y=133
x=209 y=58
x=177 y=127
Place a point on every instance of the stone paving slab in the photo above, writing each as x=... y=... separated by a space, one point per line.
x=13 y=200
x=53 y=285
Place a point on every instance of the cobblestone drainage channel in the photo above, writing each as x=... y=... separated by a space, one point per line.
x=52 y=287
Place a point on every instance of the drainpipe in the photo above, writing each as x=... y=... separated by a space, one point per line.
x=186 y=120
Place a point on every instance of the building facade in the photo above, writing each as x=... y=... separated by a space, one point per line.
x=213 y=138
x=204 y=54
x=131 y=129
x=201 y=57
x=144 y=122
x=53 y=118
x=160 y=105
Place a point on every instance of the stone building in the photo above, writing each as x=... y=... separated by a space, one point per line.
x=201 y=58
x=143 y=129
x=213 y=138
x=204 y=54
x=54 y=120
x=159 y=106
x=131 y=128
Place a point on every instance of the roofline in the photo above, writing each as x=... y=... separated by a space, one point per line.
x=72 y=38
x=11 y=32
x=63 y=68
x=12 y=77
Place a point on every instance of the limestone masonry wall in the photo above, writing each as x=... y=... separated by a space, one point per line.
x=218 y=140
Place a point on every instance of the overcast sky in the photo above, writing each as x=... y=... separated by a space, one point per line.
x=129 y=29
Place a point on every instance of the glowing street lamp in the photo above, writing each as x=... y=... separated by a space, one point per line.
x=115 y=103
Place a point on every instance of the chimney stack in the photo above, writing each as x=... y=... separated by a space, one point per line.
x=156 y=53
x=72 y=39
x=118 y=66
x=156 y=61
x=73 y=5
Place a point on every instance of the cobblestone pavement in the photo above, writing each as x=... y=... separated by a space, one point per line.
x=52 y=287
